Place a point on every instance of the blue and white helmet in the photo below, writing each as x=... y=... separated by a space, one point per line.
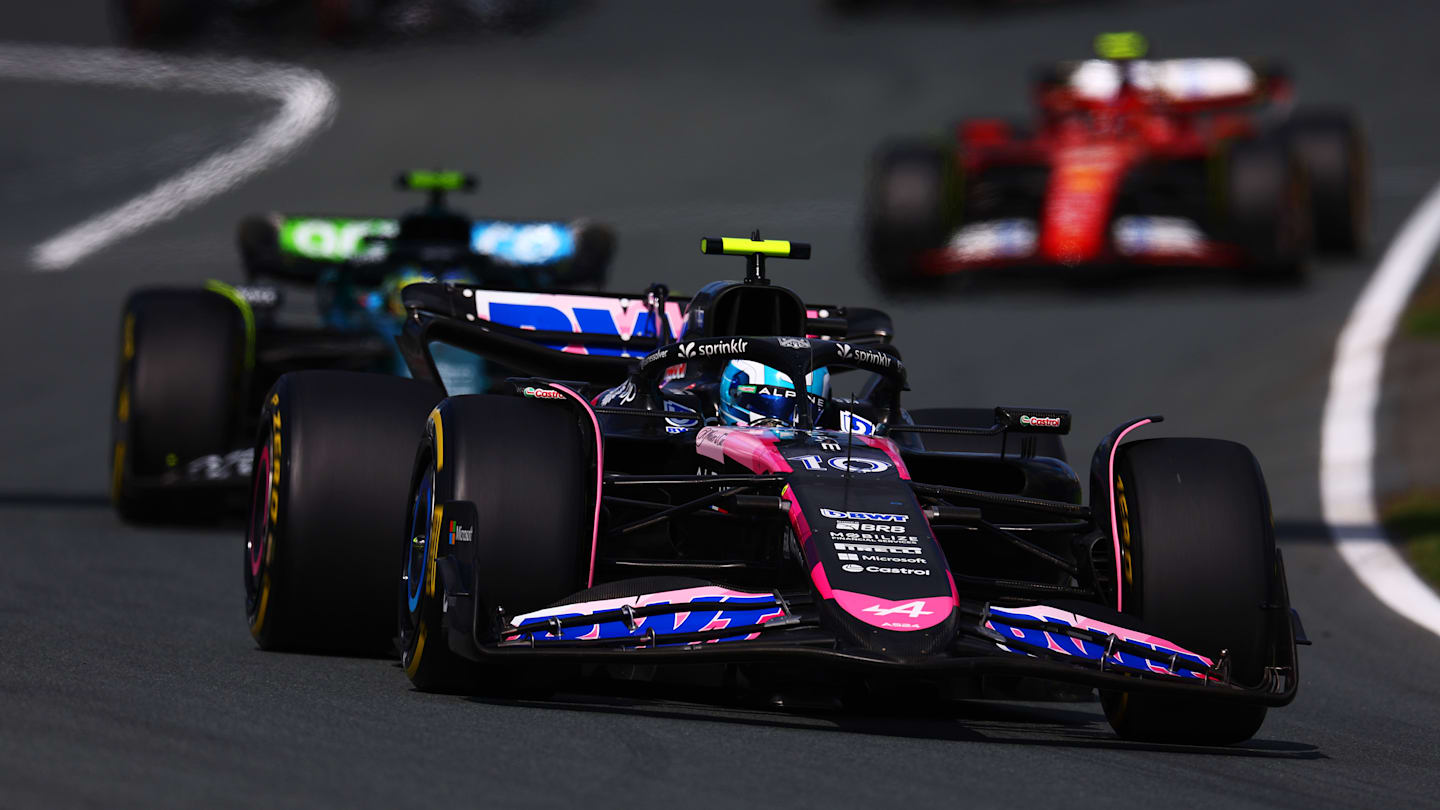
x=752 y=393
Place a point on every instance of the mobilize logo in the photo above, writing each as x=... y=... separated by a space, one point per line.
x=692 y=349
x=1040 y=421
x=848 y=352
x=867 y=537
x=876 y=516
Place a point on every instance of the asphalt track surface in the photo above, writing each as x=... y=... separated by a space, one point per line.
x=127 y=677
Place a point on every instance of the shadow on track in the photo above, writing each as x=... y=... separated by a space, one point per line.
x=53 y=500
x=1030 y=724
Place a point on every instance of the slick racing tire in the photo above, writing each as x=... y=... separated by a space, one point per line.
x=343 y=19
x=1331 y=149
x=1046 y=444
x=155 y=23
x=178 y=396
x=524 y=466
x=1198 y=567
x=594 y=247
x=1267 y=207
x=906 y=209
x=332 y=466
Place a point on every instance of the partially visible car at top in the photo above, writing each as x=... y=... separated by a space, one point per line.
x=159 y=23
x=195 y=361
x=1129 y=162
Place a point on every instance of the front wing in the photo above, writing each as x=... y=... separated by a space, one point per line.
x=719 y=625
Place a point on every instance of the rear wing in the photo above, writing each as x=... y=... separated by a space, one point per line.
x=619 y=325
x=591 y=336
x=298 y=247
x=1182 y=84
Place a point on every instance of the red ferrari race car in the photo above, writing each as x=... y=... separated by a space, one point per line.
x=1199 y=163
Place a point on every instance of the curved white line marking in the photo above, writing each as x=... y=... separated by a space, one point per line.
x=307 y=103
x=1347 y=435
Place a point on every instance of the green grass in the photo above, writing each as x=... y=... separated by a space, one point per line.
x=1422 y=317
x=1413 y=521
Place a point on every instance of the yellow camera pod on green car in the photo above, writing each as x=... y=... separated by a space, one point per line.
x=1121 y=45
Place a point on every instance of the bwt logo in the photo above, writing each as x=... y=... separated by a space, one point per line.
x=689 y=350
x=1040 y=421
x=875 y=516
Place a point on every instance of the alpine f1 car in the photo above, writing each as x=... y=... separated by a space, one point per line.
x=195 y=363
x=1131 y=162
x=712 y=502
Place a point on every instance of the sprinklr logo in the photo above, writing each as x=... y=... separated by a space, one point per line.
x=734 y=346
x=848 y=352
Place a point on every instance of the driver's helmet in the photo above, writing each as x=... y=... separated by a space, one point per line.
x=752 y=393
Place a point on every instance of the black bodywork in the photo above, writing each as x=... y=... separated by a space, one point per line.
x=673 y=514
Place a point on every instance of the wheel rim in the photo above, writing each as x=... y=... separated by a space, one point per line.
x=417 y=555
x=258 y=537
x=255 y=541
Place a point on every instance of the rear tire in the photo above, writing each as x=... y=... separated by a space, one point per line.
x=907 y=204
x=332 y=467
x=525 y=467
x=178 y=395
x=1046 y=444
x=1267 y=208
x=155 y=23
x=1331 y=149
x=1198 y=556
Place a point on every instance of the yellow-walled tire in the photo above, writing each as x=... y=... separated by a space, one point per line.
x=333 y=459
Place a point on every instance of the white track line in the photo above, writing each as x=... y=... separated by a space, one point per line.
x=1347 y=435
x=307 y=103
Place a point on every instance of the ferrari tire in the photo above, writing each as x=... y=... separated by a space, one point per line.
x=906 y=205
x=594 y=248
x=178 y=395
x=1267 y=206
x=1198 y=562
x=1046 y=444
x=1331 y=149
x=154 y=23
x=332 y=468
x=524 y=466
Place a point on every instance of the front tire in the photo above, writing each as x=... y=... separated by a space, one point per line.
x=332 y=465
x=524 y=466
x=1198 y=564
